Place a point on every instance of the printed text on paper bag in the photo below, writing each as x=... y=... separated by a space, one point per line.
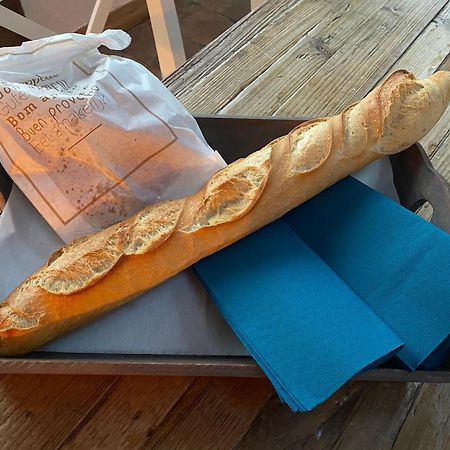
x=48 y=121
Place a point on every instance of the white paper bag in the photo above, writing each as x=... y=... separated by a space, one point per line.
x=90 y=138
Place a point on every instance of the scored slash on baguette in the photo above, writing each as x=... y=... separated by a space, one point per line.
x=83 y=262
x=232 y=191
x=100 y=272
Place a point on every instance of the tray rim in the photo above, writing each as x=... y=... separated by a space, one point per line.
x=179 y=365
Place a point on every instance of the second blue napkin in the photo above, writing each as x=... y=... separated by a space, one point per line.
x=395 y=261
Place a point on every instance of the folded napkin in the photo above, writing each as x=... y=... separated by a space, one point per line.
x=304 y=326
x=334 y=287
x=396 y=262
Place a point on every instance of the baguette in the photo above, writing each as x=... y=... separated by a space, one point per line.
x=99 y=272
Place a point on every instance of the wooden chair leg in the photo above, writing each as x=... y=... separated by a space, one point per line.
x=7 y=37
x=99 y=16
x=167 y=34
x=21 y=25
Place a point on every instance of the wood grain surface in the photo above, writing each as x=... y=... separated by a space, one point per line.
x=309 y=57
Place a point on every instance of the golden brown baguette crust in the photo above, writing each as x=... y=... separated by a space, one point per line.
x=102 y=271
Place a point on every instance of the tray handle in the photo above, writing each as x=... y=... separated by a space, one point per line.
x=417 y=182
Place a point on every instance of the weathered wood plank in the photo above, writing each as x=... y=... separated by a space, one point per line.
x=276 y=427
x=274 y=86
x=396 y=22
x=360 y=415
x=353 y=70
x=130 y=414
x=428 y=424
x=213 y=414
x=277 y=84
x=218 y=51
x=221 y=82
x=376 y=422
x=427 y=52
x=40 y=411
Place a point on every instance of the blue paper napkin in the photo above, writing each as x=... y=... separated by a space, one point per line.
x=395 y=261
x=304 y=326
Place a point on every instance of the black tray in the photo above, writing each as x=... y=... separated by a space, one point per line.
x=416 y=182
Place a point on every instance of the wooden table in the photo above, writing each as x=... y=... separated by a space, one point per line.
x=310 y=57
